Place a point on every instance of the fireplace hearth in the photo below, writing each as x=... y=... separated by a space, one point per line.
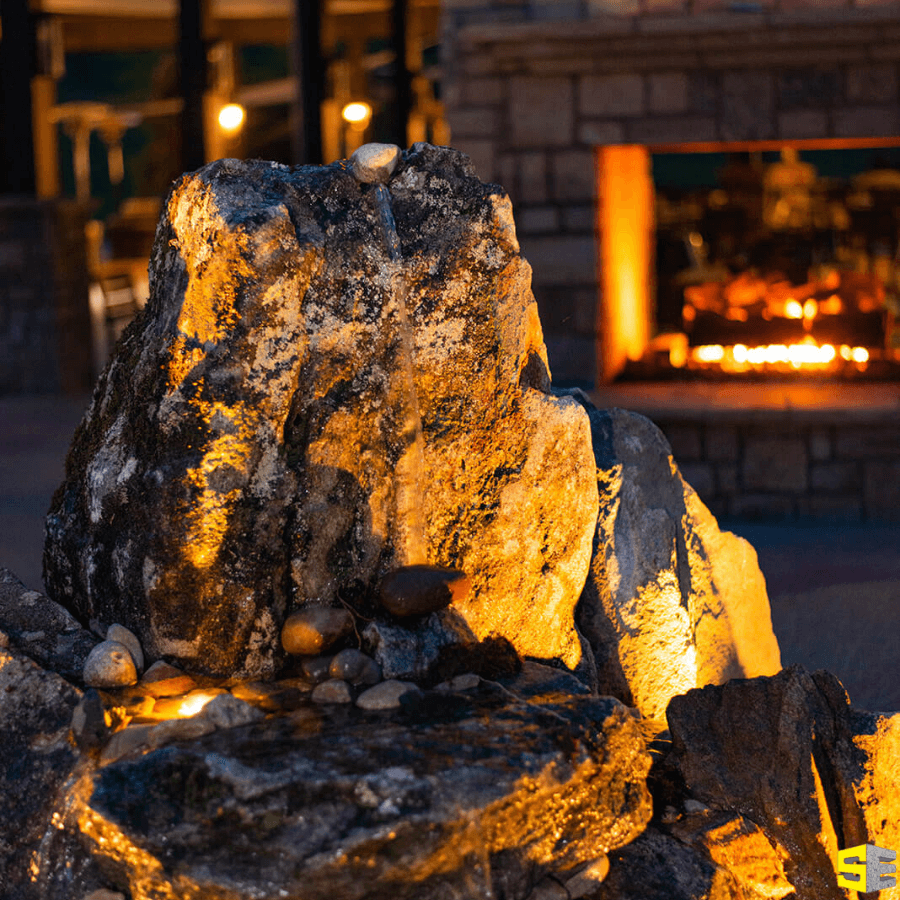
x=557 y=101
x=772 y=271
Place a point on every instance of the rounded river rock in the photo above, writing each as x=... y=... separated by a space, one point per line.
x=354 y=666
x=419 y=590
x=109 y=665
x=310 y=631
x=374 y=163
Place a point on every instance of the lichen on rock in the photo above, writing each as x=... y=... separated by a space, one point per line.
x=331 y=379
x=671 y=602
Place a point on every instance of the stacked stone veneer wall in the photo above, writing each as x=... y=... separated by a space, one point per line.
x=532 y=86
x=45 y=335
x=790 y=465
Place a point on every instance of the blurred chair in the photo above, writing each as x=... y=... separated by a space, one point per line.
x=119 y=284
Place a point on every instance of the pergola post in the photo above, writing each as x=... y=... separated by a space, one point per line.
x=17 y=68
x=403 y=96
x=625 y=217
x=193 y=75
x=309 y=71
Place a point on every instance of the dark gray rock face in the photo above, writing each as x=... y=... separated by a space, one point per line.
x=747 y=864
x=671 y=602
x=784 y=753
x=36 y=762
x=414 y=650
x=42 y=629
x=453 y=797
x=331 y=379
x=657 y=866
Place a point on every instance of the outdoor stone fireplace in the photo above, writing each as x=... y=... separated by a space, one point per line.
x=556 y=100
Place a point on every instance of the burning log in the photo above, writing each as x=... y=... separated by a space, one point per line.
x=753 y=322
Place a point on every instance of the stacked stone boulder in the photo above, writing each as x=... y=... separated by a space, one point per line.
x=334 y=377
x=671 y=601
x=332 y=431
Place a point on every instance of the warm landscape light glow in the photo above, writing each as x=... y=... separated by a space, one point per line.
x=194 y=703
x=810 y=308
x=625 y=199
x=231 y=117
x=356 y=113
x=860 y=354
x=677 y=345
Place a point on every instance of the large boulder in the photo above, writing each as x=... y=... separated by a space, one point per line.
x=790 y=755
x=671 y=602
x=331 y=378
x=757 y=786
x=458 y=797
x=38 y=765
x=875 y=774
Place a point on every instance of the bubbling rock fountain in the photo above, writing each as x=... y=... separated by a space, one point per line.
x=346 y=601
x=335 y=377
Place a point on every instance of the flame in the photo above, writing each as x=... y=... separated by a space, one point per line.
x=793 y=309
x=709 y=353
x=797 y=356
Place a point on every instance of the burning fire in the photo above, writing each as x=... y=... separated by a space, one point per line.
x=808 y=354
x=750 y=323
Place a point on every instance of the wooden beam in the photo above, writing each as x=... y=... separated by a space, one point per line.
x=46 y=141
x=99 y=34
x=844 y=143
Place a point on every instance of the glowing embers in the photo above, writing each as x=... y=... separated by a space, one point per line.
x=835 y=323
x=778 y=357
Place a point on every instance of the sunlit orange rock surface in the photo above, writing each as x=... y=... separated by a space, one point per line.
x=672 y=602
x=331 y=379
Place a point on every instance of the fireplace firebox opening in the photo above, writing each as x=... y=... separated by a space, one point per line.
x=748 y=259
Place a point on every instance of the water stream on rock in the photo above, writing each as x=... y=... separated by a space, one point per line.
x=409 y=540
